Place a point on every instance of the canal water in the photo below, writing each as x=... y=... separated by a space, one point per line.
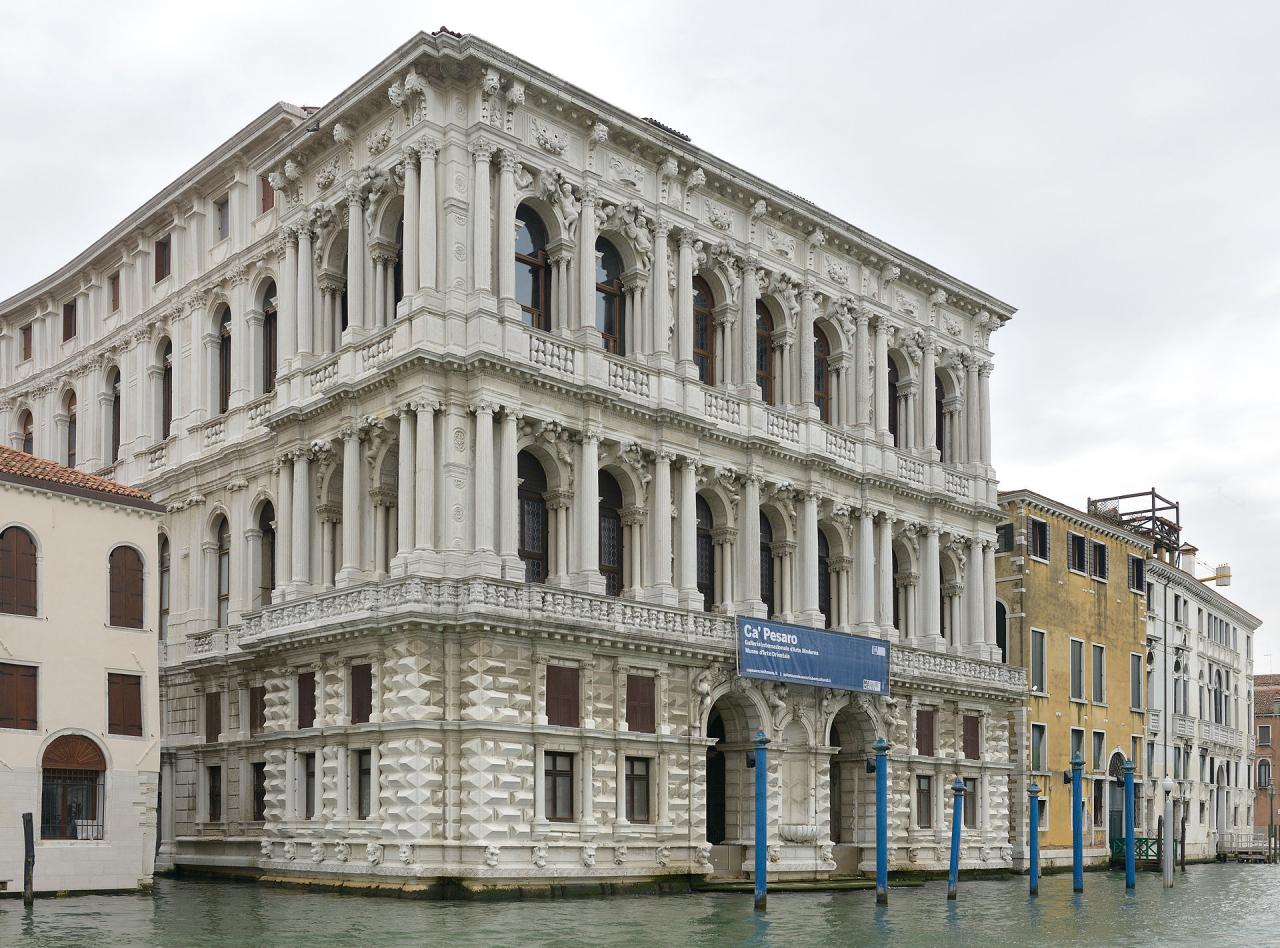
x=1218 y=905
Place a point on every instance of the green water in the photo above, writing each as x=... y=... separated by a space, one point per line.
x=1211 y=905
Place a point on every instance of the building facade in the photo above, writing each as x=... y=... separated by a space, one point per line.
x=1070 y=592
x=478 y=415
x=1266 y=737
x=79 y=682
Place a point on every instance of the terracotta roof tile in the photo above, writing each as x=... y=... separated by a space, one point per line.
x=18 y=465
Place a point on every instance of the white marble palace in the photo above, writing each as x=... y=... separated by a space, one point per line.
x=479 y=409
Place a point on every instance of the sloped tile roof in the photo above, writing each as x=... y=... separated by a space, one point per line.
x=20 y=467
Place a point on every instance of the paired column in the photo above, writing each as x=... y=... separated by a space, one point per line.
x=882 y=380
x=587 y=260
x=425 y=476
x=866 y=571
x=412 y=213
x=930 y=583
x=808 y=311
x=301 y=520
x=747 y=329
x=861 y=397
x=355 y=260
x=687 y=502
x=407 y=482
x=973 y=410
x=807 y=564
x=306 y=292
x=287 y=292
x=661 y=293
x=481 y=223
x=929 y=400
x=984 y=409
x=508 y=485
x=660 y=529
x=428 y=149
x=284 y=525
x=484 y=478
x=749 y=601
x=684 y=297
x=989 y=594
x=350 y=507
x=884 y=566
x=587 y=489
x=507 y=230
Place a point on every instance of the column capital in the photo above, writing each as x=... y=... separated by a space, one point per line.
x=427 y=147
x=483 y=407
x=508 y=159
x=482 y=151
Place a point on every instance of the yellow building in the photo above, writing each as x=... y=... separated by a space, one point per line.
x=1071 y=602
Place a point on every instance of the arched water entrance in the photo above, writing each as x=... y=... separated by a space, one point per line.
x=732 y=724
x=852 y=789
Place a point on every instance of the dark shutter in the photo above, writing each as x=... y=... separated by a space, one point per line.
x=970 y=739
x=641 y=706
x=126 y=588
x=562 y=696
x=924 y=732
x=17 y=572
x=212 y=716
x=257 y=709
x=18 y=696
x=307 y=699
x=124 y=704
x=361 y=693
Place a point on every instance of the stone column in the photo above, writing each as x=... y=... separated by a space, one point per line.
x=287 y=294
x=586 y=262
x=989 y=596
x=587 y=507
x=882 y=381
x=301 y=520
x=412 y=212
x=355 y=261
x=306 y=293
x=807 y=562
x=284 y=509
x=684 y=298
x=884 y=567
x=808 y=311
x=351 y=512
x=747 y=329
x=661 y=290
x=861 y=349
x=508 y=484
x=749 y=601
x=481 y=222
x=973 y=410
x=866 y=571
x=929 y=400
x=984 y=409
x=507 y=230
x=428 y=149
x=484 y=477
x=930 y=591
x=686 y=505
x=660 y=529
x=425 y=474
x=407 y=486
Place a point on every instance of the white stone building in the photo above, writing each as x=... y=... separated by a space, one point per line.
x=79 y=679
x=480 y=408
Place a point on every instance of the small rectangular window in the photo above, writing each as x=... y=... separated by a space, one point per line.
x=212 y=716
x=563 y=696
x=266 y=194
x=970 y=741
x=364 y=784
x=637 y=789
x=970 y=804
x=306 y=700
x=1038 y=538
x=215 y=794
x=18 y=696
x=259 y=771
x=1077 y=742
x=640 y=704
x=1098 y=561
x=1099 y=674
x=924 y=802
x=1099 y=749
x=924 y=732
x=26 y=333
x=309 y=786
x=1137 y=573
x=1077 y=670
x=68 y=320
x=1264 y=735
x=257 y=709
x=1076 y=552
x=361 y=693
x=1039 y=752
x=1037 y=662
x=124 y=704
x=1099 y=808
x=558 y=780
x=222 y=218
x=1004 y=538
x=163 y=247
x=1135 y=681
x=113 y=284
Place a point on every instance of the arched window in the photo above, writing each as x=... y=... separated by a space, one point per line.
x=824 y=578
x=126 y=604
x=1264 y=774
x=704 y=331
x=69 y=449
x=893 y=403
x=164 y=586
x=222 y=574
x=610 y=534
x=166 y=390
x=822 y=373
x=27 y=426
x=706 y=555
x=533 y=517
x=533 y=269
x=224 y=361
x=269 y=347
x=267 y=553
x=766 y=564
x=939 y=422
x=611 y=309
x=1002 y=630
x=113 y=444
x=764 y=352
x=397 y=268
x=17 y=572
x=71 y=789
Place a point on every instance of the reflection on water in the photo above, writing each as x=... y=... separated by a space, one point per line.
x=1211 y=905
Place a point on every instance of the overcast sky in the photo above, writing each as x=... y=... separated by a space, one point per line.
x=1108 y=168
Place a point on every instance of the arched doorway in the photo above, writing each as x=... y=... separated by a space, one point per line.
x=851 y=790
x=730 y=808
x=1115 y=799
x=71 y=789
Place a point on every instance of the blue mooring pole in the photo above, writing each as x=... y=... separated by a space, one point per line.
x=881 y=747
x=762 y=823
x=1033 y=821
x=957 y=817
x=1077 y=825
x=1130 y=877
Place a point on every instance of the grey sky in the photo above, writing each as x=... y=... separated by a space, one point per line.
x=1108 y=168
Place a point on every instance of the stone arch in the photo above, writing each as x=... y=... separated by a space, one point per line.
x=264 y=280
x=558 y=469
x=547 y=216
x=850 y=790
x=734 y=713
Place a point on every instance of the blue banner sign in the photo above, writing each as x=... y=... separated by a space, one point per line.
x=800 y=655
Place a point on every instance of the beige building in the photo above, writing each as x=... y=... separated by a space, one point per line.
x=79 y=703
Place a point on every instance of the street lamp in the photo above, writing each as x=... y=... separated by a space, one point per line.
x=1167 y=786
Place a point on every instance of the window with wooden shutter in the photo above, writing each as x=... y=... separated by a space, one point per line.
x=306 y=700
x=641 y=707
x=563 y=696
x=17 y=572
x=162 y=247
x=361 y=693
x=970 y=742
x=124 y=704
x=113 y=282
x=215 y=794
x=18 y=696
x=259 y=788
x=257 y=709
x=27 y=333
x=126 y=588
x=68 y=320
x=266 y=194
x=212 y=716
x=924 y=732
